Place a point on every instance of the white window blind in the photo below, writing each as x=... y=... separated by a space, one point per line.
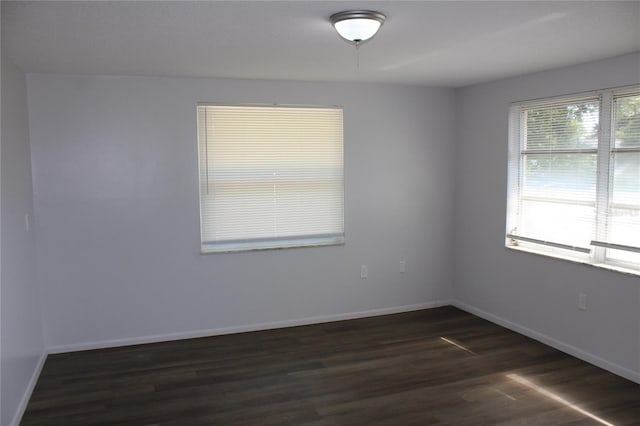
x=270 y=176
x=623 y=213
x=557 y=172
x=574 y=177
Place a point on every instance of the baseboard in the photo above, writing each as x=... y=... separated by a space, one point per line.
x=244 y=328
x=550 y=341
x=29 y=390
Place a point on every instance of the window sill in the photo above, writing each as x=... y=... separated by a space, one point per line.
x=610 y=267
x=236 y=247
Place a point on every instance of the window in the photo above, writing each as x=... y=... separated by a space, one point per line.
x=574 y=178
x=270 y=177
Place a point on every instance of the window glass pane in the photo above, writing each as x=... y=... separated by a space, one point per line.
x=626 y=178
x=624 y=256
x=561 y=176
x=558 y=222
x=564 y=126
x=627 y=116
x=624 y=226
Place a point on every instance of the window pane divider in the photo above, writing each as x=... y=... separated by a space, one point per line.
x=622 y=150
x=559 y=151
x=549 y=243
x=558 y=200
x=615 y=246
x=624 y=206
x=603 y=187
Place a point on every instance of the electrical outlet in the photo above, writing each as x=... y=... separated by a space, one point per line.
x=403 y=267
x=364 y=271
x=582 y=301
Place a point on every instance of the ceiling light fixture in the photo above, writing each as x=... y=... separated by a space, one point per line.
x=357 y=26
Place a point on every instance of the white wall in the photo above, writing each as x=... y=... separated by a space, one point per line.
x=22 y=345
x=116 y=192
x=536 y=295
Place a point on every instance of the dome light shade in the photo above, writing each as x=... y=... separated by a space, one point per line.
x=357 y=26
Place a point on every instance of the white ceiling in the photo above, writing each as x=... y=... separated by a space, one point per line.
x=446 y=43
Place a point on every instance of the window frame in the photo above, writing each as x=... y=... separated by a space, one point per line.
x=260 y=243
x=596 y=253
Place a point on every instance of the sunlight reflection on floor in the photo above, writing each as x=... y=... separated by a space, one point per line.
x=519 y=379
x=457 y=345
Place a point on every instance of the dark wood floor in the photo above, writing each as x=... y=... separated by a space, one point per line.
x=438 y=366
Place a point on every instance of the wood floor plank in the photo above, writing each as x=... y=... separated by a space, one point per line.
x=439 y=366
